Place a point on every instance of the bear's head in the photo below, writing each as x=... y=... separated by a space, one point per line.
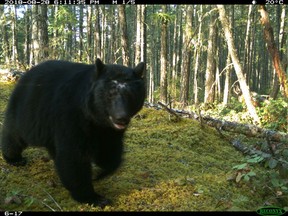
x=122 y=92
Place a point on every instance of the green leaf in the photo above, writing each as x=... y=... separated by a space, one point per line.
x=275 y=182
x=240 y=166
x=255 y=159
x=285 y=153
x=251 y=173
x=246 y=177
x=272 y=163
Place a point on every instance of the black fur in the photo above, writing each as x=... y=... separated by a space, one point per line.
x=79 y=113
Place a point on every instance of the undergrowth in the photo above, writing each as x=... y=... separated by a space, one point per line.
x=169 y=165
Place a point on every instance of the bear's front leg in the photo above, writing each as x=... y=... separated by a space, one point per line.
x=75 y=174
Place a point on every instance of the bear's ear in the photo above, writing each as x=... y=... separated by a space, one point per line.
x=139 y=69
x=99 y=67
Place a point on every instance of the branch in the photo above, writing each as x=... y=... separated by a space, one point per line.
x=246 y=129
x=169 y=110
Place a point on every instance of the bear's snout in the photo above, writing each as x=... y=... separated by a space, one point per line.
x=120 y=122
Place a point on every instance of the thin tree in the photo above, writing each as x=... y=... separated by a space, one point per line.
x=34 y=54
x=247 y=44
x=43 y=33
x=81 y=16
x=163 y=56
x=237 y=66
x=124 y=37
x=211 y=61
x=273 y=51
x=97 y=34
x=14 y=56
x=89 y=34
x=5 y=41
x=187 y=39
x=197 y=52
x=138 y=34
x=227 y=82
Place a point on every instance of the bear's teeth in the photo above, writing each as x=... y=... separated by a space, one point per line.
x=119 y=126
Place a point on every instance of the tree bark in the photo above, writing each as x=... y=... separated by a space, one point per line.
x=163 y=58
x=211 y=62
x=197 y=52
x=138 y=34
x=226 y=94
x=5 y=44
x=43 y=33
x=34 y=55
x=185 y=73
x=238 y=68
x=14 y=56
x=273 y=51
x=97 y=35
x=247 y=44
x=124 y=37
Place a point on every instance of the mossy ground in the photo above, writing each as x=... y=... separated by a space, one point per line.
x=168 y=166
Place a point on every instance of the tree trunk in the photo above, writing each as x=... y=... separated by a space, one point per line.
x=138 y=34
x=176 y=35
x=184 y=91
x=197 y=57
x=5 y=45
x=80 y=52
x=34 y=55
x=247 y=44
x=211 y=62
x=43 y=33
x=89 y=34
x=163 y=58
x=14 y=56
x=27 y=50
x=269 y=38
x=97 y=35
x=226 y=94
x=124 y=38
x=238 y=68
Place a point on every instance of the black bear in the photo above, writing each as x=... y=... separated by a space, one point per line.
x=79 y=112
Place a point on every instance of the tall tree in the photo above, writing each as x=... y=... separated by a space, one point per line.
x=124 y=37
x=211 y=61
x=97 y=34
x=89 y=34
x=34 y=54
x=81 y=17
x=14 y=56
x=43 y=33
x=274 y=52
x=186 y=55
x=163 y=56
x=247 y=44
x=5 y=41
x=27 y=50
x=237 y=66
x=175 y=51
x=138 y=34
x=197 y=52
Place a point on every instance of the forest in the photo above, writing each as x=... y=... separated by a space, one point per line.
x=223 y=66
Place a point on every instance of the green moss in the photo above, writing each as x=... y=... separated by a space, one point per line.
x=168 y=165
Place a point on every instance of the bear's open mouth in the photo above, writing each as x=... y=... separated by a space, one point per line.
x=120 y=125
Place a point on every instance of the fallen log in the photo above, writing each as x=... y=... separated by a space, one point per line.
x=246 y=129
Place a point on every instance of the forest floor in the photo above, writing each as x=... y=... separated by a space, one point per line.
x=169 y=165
